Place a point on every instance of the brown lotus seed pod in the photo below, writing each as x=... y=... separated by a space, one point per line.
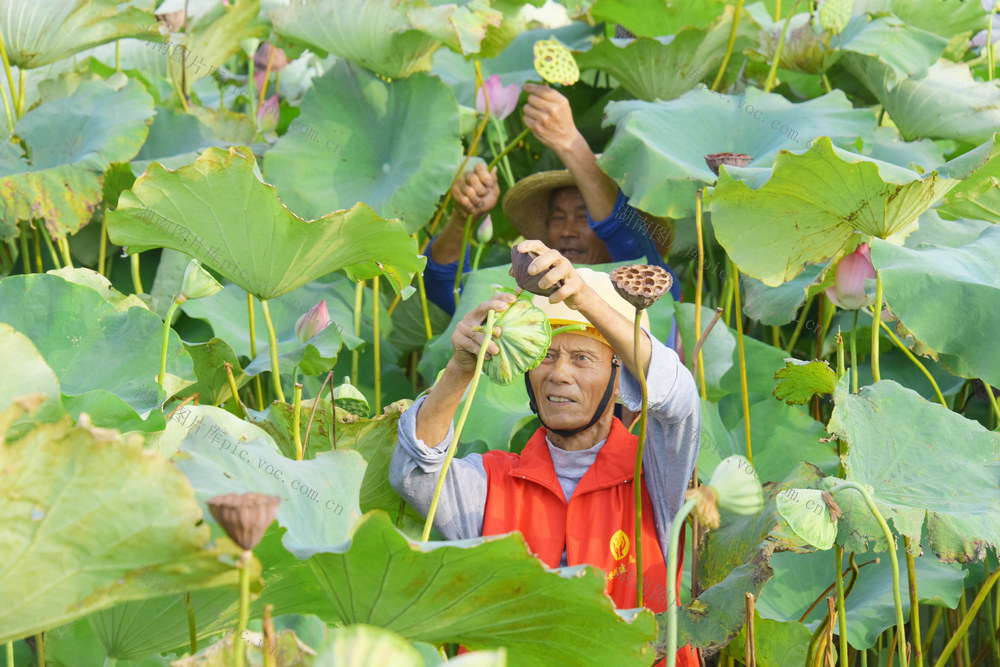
x=244 y=516
x=519 y=262
x=641 y=284
x=730 y=159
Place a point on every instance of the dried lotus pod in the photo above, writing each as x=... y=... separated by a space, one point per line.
x=706 y=508
x=525 y=334
x=730 y=159
x=244 y=516
x=641 y=284
x=519 y=262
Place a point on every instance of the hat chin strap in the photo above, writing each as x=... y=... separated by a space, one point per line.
x=608 y=391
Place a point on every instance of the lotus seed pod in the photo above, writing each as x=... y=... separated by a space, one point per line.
x=349 y=398
x=808 y=516
x=555 y=63
x=731 y=159
x=525 y=334
x=737 y=486
x=198 y=283
x=641 y=284
x=706 y=508
x=244 y=516
x=519 y=262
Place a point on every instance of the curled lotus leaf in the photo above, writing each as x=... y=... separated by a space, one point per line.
x=525 y=334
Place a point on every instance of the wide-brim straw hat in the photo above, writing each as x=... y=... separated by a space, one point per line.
x=526 y=206
x=560 y=314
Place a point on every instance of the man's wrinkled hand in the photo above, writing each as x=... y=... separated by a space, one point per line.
x=548 y=115
x=466 y=342
x=476 y=192
x=555 y=267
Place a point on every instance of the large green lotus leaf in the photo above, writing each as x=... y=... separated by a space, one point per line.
x=976 y=197
x=722 y=359
x=656 y=17
x=54 y=176
x=375 y=439
x=314 y=357
x=390 y=37
x=25 y=372
x=800 y=578
x=799 y=381
x=265 y=248
x=395 y=161
x=71 y=543
x=775 y=643
x=661 y=171
x=920 y=156
x=109 y=411
x=482 y=593
x=363 y=645
x=38 y=32
x=946 y=104
x=95 y=281
x=773 y=221
x=947 y=18
x=965 y=288
x=224 y=454
x=90 y=343
x=650 y=70
x=776 y=306
x=922 y=459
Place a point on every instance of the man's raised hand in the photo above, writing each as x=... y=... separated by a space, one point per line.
x=476 y=192
x=467 y=342
x=549 y=116
x=574 y=291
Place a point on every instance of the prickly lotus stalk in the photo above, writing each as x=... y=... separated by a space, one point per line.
x=525 y=334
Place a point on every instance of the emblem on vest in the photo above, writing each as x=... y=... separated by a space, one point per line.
x=619 y=544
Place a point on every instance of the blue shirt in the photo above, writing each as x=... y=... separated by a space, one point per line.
x=623 y=232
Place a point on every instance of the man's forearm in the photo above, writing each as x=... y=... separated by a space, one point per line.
x=448 y=245
x=618 y=331
x=439 y=407
x=598 y=189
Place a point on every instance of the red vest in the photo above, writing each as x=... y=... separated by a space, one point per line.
x=596 y=527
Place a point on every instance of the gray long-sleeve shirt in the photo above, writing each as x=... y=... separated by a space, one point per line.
x=673 y=430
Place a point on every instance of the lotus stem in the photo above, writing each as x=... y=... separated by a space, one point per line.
x=777 y=10
x=990 y=59
x=234 y=389
x=798 y=327
x=273 y=342
x=10 y=654
x=672 y=600
x=377 y=342
x=923 y=369
x=501 y=157
x=297 y=405
x=267 y=630
x=964 y=641
x=637 y=480
x=7 y=111
x=992 y=400
x=102 y=250
x=192 y=627
x=508 y=148
x=466 y=233
x=240 y=646
x=876 y=319
x=136 y=278
x=10 y=79
x=478 y=255
x=359 y=293
x=253 y=352
x=900 y=625
x=963 y=628
x=453 y=447
x=312 y=412
x=700 y=343
x=166 y=338
x=854 y=570
x=423 y=304
x=911 y=578
x=48 y=244
x=771 y=75
x=38 y=251
x=567 y=328
x=838 y=554
x=729 y=46
x=750 y=656
x=64 y=249
x=697 y=359
x=727 y=293
x=854 y=354
x=991 y=622
x=932 y=629
x=267 y=74
x=743 y=361
x=25 y=253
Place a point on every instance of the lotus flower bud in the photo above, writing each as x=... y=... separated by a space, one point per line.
x=485 y=232
x=737 y=486
x=706 y=508
x=525 y=334
x=349 y=398
x=848 y=291
x=244 y=516
x=641 y=284
x=198 y=282
x=315 y=320
x=811 y=515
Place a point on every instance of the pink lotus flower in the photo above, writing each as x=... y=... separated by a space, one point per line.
x=503 y=99
x=848 y=291
x=485 y=232
x=315 y=320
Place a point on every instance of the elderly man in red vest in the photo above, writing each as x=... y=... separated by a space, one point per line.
x=570 y=491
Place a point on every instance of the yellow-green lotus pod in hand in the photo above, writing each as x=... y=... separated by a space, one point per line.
x=555 y=63
x=525 y=334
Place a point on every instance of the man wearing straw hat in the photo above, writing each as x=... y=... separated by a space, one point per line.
x=570 y=492
x=579 y=211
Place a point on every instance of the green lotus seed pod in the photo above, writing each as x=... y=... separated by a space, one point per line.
x=808 y=515
x=525 y=334
x=349 y=398
x=737 y=486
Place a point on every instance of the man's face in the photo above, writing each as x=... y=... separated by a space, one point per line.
x=569 y=231
x=571 y=380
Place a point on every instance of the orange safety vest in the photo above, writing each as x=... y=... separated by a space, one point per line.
x=596 y=527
